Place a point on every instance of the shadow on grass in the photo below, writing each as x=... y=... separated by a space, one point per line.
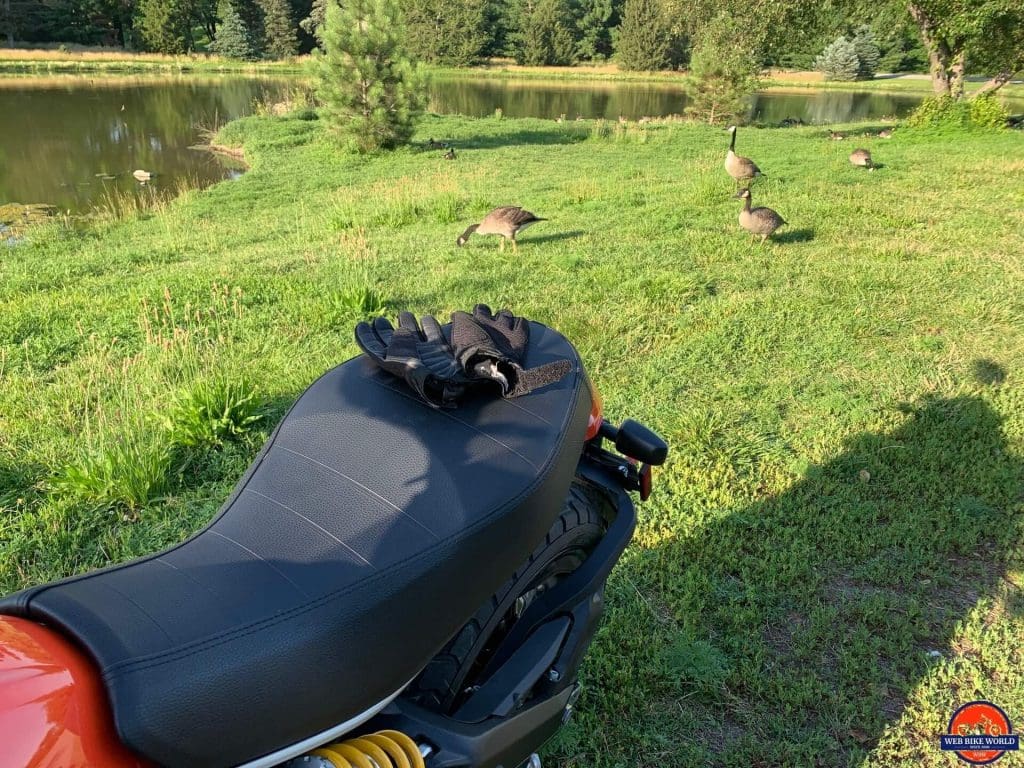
x=554 y=237
x=795 y=236
x=557 y=135
x=816 y=612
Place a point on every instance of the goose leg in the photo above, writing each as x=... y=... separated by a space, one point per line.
x=515 y=246
x=502 y=246
x=763 y=238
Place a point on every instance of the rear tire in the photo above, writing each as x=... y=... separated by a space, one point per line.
x=449 y=677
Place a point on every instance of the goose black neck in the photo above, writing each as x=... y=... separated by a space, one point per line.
x=732 y=142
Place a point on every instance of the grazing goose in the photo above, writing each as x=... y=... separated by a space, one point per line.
x=758 y=221
x=431 y=144
x=740 y=168
x=862 y=159
x=506 y=221
x=835 y=136
x=885 y=133
x=142 y=176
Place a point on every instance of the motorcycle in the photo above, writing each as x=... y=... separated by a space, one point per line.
x=388 y=585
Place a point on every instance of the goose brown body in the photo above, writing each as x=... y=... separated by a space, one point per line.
x=758 y=221
x=506 y=221
x=861 y=158
x=739 y=167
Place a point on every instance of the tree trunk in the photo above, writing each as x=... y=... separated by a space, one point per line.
x=994 y=84
x=938 y=52
x=956 y=75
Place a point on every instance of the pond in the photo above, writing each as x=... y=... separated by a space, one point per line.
x=74 y=141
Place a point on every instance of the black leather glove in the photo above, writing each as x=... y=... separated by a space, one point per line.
x=423 y=358
x=493 y=347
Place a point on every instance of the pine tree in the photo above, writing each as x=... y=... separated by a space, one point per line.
x=868 y=55
x=442 y=32
x=233 y=39
x=838 y=61
x=723 y=73
x=166 y=25
x=545 y=36
x=280 y=37
x=594 y=28
x=370 y=89
x=643 y=38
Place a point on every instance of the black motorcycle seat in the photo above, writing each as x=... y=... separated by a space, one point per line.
x=366 y=532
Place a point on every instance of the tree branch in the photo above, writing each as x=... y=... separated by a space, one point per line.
x=994 y=84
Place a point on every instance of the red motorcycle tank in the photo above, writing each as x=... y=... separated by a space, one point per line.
x=53 y=708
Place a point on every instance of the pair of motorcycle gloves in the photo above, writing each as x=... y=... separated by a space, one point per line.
x=485 y=350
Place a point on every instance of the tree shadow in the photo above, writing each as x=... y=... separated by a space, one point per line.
x=805 y=235
x=825 y=606
x=533 y=136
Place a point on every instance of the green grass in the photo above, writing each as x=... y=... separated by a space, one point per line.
x=834 y=555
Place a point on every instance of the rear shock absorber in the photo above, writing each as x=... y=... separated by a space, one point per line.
x=384 y=749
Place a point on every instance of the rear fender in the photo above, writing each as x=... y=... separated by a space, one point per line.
x=53 y=708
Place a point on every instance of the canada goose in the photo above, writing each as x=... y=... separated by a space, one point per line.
x=740 y=168
x=142 y=176
x=885 y=133
x=450 y=154
x=758 y=221
x=862 y=159
x=836 y=136
x=431 y=144
x=507 y=221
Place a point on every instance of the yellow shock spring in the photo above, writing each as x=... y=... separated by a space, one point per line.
x=384 y=749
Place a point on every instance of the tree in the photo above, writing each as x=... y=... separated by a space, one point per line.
x=644 y=38
x=166 y=25
x=370 y=89
x=279 y=31
x=312 y=23
x=723 y=73
x=866 y=47
x=442 y=32
x=596 y=19
x=233 y=38
x=545 y=36
x=839 y=60
x=989 y=34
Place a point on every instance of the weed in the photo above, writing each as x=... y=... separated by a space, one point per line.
x=212 y=411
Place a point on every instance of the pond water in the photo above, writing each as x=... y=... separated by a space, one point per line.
x=74 y=141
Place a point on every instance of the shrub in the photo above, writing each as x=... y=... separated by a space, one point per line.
x=839 y=60
x=370 y=89
x=947 y=113
x=866 y=47
x=211 y=412
x=988 y=112
x=361 y=303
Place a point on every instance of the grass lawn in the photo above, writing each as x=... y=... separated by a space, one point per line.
x=834 y=556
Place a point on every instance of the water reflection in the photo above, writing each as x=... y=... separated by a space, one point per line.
x=75 y=139
x=553 y=99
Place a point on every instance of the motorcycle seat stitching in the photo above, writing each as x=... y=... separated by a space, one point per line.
x=371 y=493
x=311 y=522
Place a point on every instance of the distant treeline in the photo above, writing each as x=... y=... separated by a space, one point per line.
x=638 y=34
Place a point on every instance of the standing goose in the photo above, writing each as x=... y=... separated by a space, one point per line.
x=506 y=221
x=450 y=154
x=740 y=168
x=758 y=221
x=862 y=159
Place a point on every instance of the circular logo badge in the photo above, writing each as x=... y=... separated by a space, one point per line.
x=979 y=733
